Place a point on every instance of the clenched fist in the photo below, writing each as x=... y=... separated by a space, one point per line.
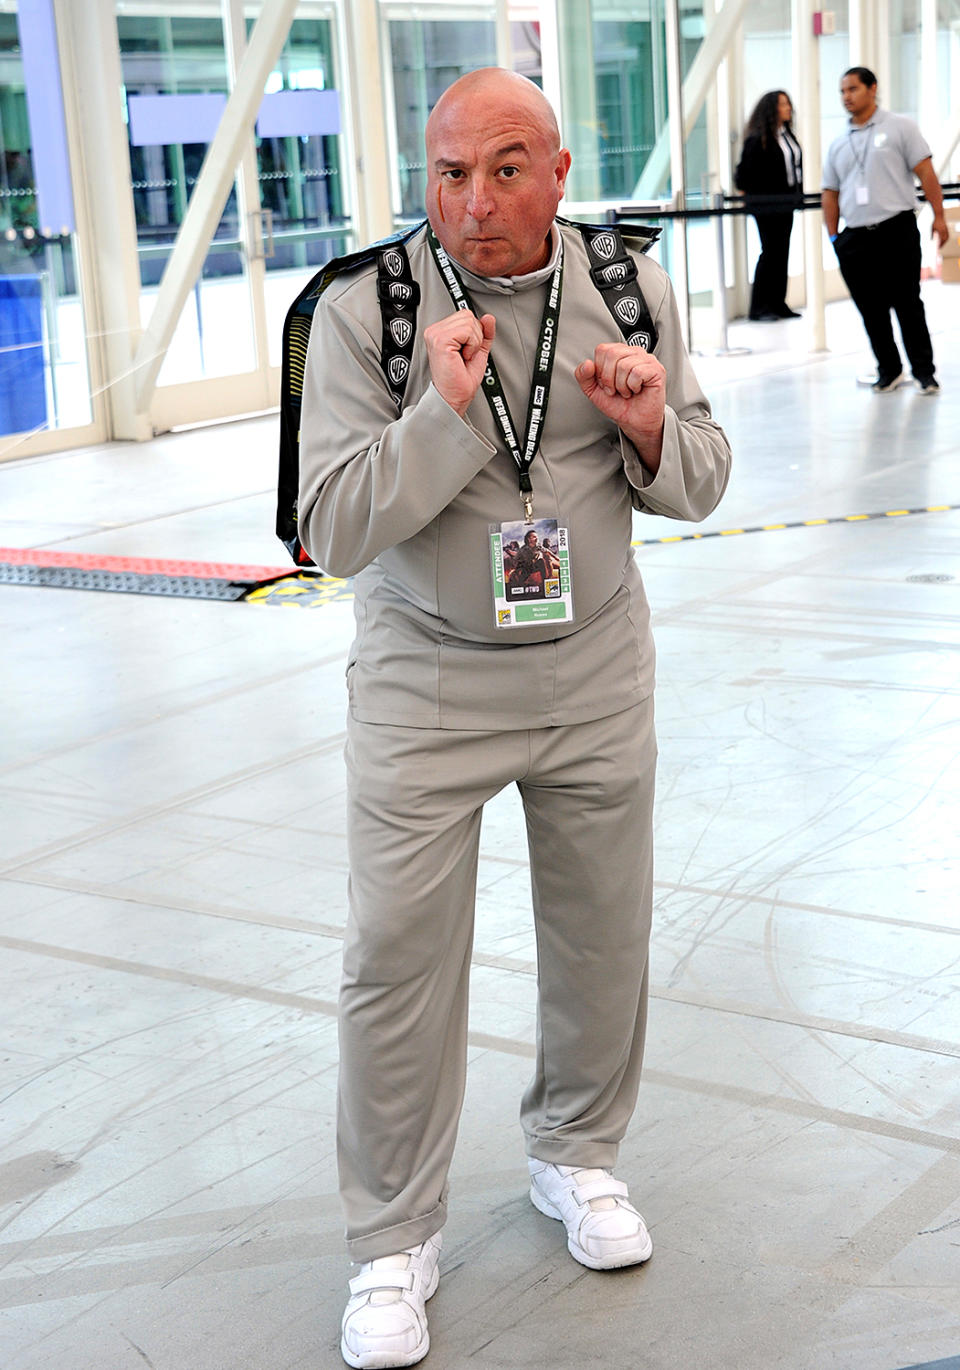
x=457 y=351
x=629 y=386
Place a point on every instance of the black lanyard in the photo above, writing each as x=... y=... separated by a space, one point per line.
x=542 y=372
x=861 y=162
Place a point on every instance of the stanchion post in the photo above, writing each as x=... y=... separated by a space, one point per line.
x=721 y=272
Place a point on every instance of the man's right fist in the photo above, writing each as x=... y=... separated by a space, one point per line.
x=457 y=351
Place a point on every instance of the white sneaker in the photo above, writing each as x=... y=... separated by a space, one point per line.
x=385 y=1322
x=604 y=1230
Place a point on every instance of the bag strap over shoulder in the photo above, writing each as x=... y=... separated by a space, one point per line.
x=398 y=307
x=614 y=273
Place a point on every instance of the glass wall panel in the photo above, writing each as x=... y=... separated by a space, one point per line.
x=175 y=87
x=427 y=55
x=299 y=161
x=631 y=103
x=904 y=94
x=948 y=75
x=44 y=378
x=768 y=50
x=613 y=58
x=927 y=97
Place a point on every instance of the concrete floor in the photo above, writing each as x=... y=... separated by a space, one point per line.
x=172 y=887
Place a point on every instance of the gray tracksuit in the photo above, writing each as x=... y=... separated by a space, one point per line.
x=439 y=696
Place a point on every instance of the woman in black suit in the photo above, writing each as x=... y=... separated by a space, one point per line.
x=770 y=174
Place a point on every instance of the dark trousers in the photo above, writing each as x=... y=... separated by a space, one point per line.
x=770 y=276
x=881 y=268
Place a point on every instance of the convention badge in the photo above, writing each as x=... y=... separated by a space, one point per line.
x=532 y=580
x=863 y=195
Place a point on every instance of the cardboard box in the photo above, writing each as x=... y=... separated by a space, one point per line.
x=950 y=252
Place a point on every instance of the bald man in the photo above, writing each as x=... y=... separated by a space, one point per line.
x=456 y=690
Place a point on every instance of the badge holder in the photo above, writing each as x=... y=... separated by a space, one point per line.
x=532 y=581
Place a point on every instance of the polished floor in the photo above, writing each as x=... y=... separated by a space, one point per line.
x=172 y=885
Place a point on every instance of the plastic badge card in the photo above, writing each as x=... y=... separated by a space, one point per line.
x=531 y=573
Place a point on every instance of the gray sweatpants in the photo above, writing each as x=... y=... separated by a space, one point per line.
x=415 y=798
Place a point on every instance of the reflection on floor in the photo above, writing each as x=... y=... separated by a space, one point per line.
x=172 y=884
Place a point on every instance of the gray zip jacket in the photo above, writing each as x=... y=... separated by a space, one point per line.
x=404 y=503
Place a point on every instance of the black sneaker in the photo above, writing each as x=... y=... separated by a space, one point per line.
x=927 y=385
x=882 y=385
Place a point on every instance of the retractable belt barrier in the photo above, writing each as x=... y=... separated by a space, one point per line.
x=737 y=206
x=731 y=207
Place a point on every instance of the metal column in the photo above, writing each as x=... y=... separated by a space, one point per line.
x=678 y=165
x=806 y=77
x=374 y=212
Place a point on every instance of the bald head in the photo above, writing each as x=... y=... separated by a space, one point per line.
x=496 y=172
x=493 y=86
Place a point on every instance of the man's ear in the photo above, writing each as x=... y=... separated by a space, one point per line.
x=563 y=170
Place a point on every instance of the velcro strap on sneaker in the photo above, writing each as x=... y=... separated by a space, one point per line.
x=381 y=1279
x=607 y=1188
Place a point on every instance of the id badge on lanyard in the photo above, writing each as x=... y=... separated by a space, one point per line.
x=531 y=573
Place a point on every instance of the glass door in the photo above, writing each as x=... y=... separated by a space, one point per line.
x=175 y=71
x=285 y=216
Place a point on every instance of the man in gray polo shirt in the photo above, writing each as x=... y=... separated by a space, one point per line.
x=868 y=181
